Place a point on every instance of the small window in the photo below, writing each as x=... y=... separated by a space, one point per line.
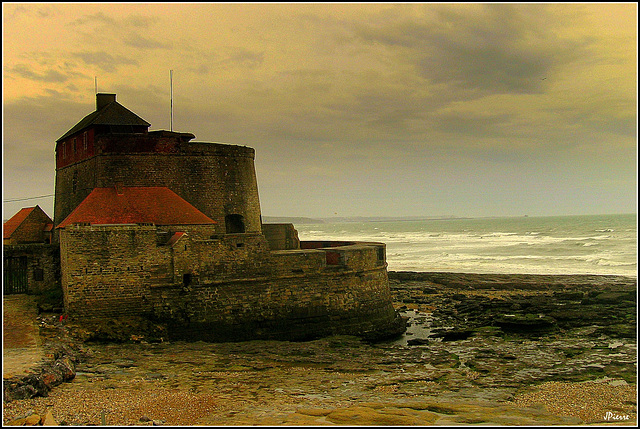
x=38 y=274
x=84 y=141
x=64 y=150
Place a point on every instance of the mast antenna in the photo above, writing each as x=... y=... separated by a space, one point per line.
x=171 y=84
x=96 y=83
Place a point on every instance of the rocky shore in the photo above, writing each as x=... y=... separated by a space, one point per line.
x=479 y=349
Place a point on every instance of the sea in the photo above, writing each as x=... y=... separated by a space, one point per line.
x=594 y=244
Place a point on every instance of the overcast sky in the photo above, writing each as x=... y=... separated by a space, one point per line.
x=353 y=109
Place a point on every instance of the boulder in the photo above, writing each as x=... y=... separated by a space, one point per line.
x=48 y=419
x=17 y=422
x=417 y=341
x=66 y=368
x=32 y=420
x=16 y=389
x=525 y=323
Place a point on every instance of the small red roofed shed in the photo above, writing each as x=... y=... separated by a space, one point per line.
x=29 y=225
x=135 y=205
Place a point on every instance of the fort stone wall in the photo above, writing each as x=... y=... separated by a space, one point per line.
x=107 y=271
x=73 y=184
x=234 y=279
x=226 y=286
x=217 y=179
x=293 y=295
x=281 y=236
x=292 y=307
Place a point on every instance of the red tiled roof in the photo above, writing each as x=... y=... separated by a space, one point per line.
x=126 y=205
x=12 y=224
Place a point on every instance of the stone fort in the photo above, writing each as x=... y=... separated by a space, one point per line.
x=153 y=224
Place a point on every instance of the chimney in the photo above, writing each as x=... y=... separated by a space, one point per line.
x=103 y=99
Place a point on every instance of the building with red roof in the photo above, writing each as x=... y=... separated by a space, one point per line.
x=29 y=225
x=31 y=264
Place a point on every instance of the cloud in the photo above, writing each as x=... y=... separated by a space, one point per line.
x=98 y=28
x=132 y=20
x=140 y=42
x=245 y=58
x=104 y=60
x=96 y=18
x=48 y=127
x=49 y=75
x=18 y=11
x=492 y=48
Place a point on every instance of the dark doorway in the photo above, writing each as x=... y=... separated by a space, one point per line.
x=15 y=275
x=234 y=224
x=186 y=280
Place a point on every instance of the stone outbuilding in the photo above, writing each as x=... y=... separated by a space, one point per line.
x=30 y=262
x=29 y=225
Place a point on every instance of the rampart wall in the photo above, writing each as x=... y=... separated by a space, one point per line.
x=225 y=287
x=289 y=307
x=109 y=271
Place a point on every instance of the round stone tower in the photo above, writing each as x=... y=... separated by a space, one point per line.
x=113 y=147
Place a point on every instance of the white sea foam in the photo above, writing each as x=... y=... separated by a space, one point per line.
x=561 y=245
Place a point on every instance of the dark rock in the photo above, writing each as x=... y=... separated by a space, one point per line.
x=417 y=341
x=47 y=375
x=454 y=334
x=393 y=330
x=66 y=368
x=525 y=323
x=14 y=390
x=487 y=331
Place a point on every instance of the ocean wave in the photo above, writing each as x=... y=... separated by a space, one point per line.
x=516 y=267
x=611 y=263
x=429 y=237
x=553 y=245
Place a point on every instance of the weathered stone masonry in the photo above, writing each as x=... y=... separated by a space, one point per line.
x=219 y=180
x=224 y=287
x=41 y=263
